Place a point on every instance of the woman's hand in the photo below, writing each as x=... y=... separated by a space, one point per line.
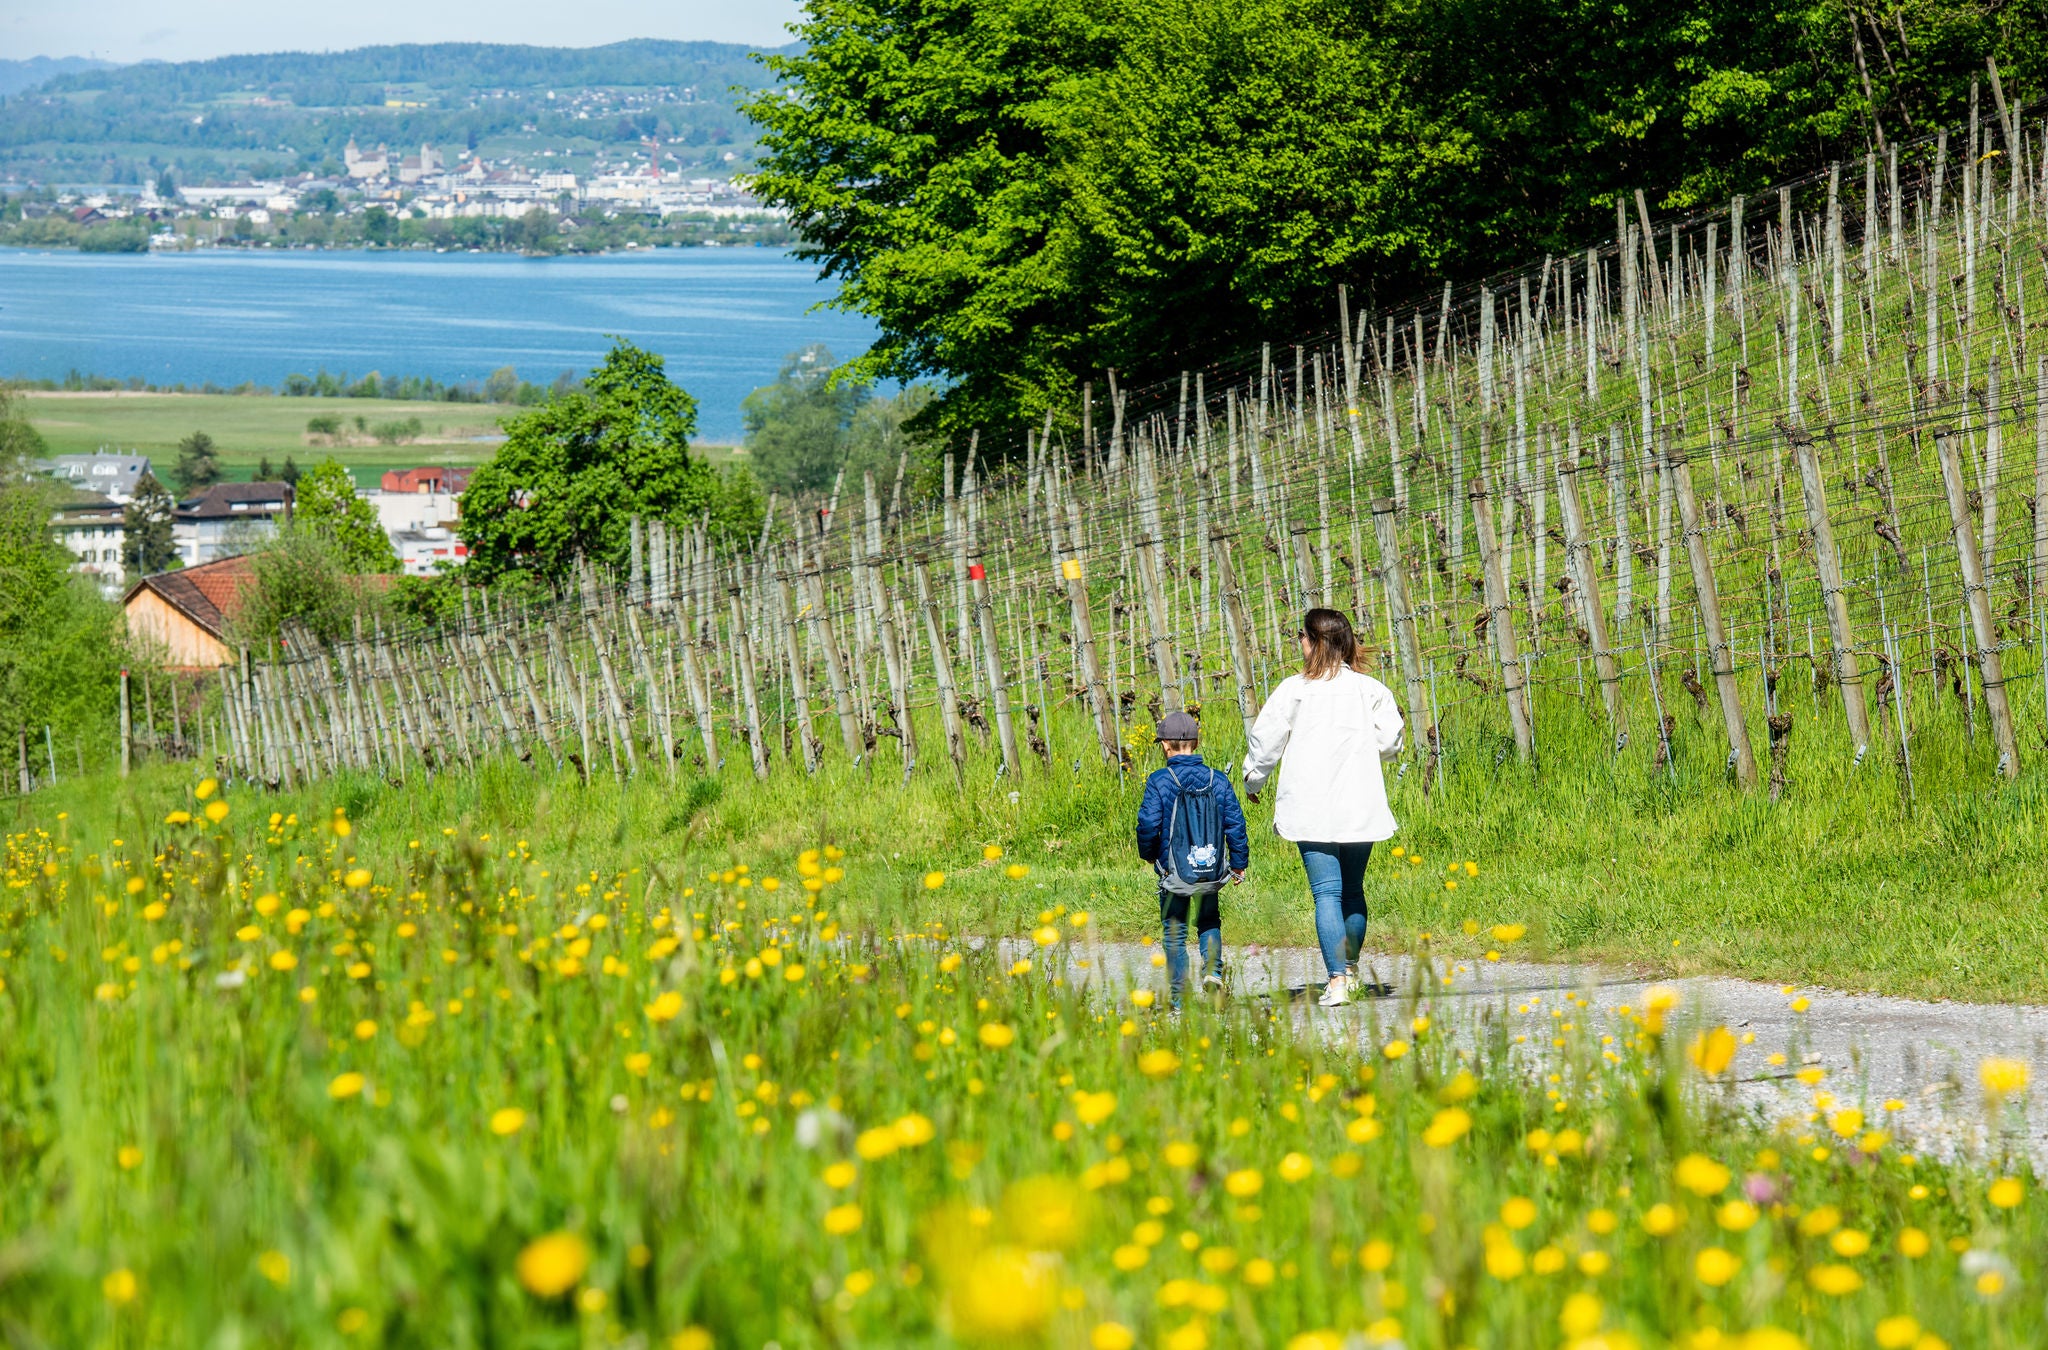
x=1252 y=797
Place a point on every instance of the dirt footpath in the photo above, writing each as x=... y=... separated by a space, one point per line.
x=1873 y=1049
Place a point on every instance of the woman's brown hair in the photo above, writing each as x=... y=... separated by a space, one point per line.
x=1331 y=644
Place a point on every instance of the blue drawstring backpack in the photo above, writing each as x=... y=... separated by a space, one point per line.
x=1194 y=860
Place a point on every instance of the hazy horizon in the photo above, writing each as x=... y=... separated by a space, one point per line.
x=129 y=31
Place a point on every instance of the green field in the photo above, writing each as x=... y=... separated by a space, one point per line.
x=248 y=427
x=504 y=1061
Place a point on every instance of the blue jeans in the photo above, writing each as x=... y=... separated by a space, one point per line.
x=1336 y=878
x=1173 y=921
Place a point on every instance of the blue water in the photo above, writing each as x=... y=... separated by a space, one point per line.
x=723 y=318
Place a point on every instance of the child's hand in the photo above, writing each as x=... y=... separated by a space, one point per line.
x=1237 y=877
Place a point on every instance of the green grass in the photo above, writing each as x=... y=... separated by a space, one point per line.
x=422 y=1083
x=248 y=428
x=1845 y=882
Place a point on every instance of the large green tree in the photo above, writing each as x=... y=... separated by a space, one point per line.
x=198 y=467
x=61 y=645
x=147 y=544
x=797 y=427
x=573 y=472
x=325 y=501
x=1023 y=192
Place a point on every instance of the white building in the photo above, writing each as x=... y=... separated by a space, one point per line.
x=228 y=518
x=94 y=529
x=421 y=510
x=424 y=553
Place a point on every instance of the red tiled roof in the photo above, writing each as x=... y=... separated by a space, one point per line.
x=208 y=595
x=430 y=478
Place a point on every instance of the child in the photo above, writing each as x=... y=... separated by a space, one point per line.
x=1188 y=817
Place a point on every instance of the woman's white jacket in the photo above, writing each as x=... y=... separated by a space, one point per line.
x=1333 y=733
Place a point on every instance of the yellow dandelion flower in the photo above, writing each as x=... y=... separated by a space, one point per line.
x=997 y=1035
x=1581 y=1315
x=1158 y=1063
x=345 y=1085
x=1447 y=1127
x=1702 y=1175
x=1836 y=1280
x=842 y=1219
x=2003 y=1077
x=1715 y=1266
x=507 y=1120
x=1711 y=1052
x=550 y=1266
x=120 y=1286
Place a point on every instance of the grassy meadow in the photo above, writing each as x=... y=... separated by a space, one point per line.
x=506 y=1062
x=248 y=427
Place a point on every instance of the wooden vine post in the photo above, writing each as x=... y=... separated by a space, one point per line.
x=835 y=669
x=998 y=681
x=942 y=671
x=1067 y=557
x=1978 y=603
x=1584 y=571
x=1394 y=576
x=799 y=674
x=1834 y=600
x=1500 y=623
x=1709 y=601
x=743 y=651
x=1239 y=623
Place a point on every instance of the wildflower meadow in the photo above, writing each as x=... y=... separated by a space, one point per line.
x=272 y=1079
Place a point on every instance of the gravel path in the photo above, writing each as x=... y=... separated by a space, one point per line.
x=1873 y=1048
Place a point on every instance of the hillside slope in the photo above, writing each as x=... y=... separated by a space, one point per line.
x=288 y=111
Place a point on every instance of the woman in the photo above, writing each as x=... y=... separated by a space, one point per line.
x=1334 y=723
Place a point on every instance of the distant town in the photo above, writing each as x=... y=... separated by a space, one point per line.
x=417 y=509
x=382 y=190
x=532 y=150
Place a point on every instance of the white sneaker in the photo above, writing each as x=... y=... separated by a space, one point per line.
x=1337 y=992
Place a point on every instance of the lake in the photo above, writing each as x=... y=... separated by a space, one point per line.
x=723 y=318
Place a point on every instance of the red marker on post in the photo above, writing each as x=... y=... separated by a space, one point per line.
x=975 y=572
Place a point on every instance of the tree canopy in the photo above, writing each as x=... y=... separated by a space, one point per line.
x=148 y=544
x=198 y=467
x=61 y=645
x=572 y=473
x=1024 y=192
x=325 y=501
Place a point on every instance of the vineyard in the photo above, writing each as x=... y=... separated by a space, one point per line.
x=1709 y=567
x=1728 y=496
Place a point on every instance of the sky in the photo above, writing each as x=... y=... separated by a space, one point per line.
x=186 y=30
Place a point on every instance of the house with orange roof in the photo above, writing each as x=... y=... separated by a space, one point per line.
x=185 y=613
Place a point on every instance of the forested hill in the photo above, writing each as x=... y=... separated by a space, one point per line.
x=16 y=76
x=290 y=111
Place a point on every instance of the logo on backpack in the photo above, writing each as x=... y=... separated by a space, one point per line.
x=1193 y=860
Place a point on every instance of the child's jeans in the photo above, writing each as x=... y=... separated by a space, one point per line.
x=1173 y=920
